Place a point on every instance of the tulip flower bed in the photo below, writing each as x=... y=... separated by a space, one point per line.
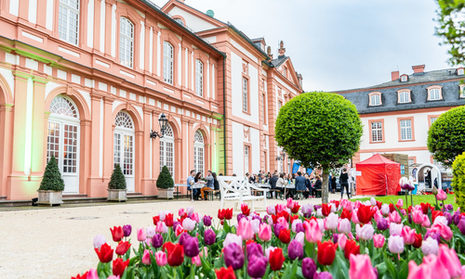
x=336 y=240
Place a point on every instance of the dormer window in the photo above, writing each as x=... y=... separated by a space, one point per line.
x=374 y=99
x=460 y=71
x=434 y=93
x=462 y=91
x=403 y=96
x=404 y=78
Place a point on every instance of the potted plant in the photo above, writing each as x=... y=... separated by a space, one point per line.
x=52 y=185
x=117 y=186
x=165 y=184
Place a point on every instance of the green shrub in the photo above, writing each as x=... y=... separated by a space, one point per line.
x=458 y=182
x=52 y=180
x=321 y=130
x=117 y=180
x=446 y=136
x=165 y=180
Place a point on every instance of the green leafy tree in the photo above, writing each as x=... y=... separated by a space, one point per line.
x=165 y=180
x=321 y=130
x=452 y=28
x=458 y=182
x=446 y=137
x=52 y=180
x=117 y=180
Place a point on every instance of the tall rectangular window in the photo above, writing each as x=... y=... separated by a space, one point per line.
x=245 y=94
x=264 y=108
x=68 y=21
x=462 y=90
x=246 y=159
x=406 y=129
x=126 y=42
x=377 y=131
x=168 y=62
x=199 y=77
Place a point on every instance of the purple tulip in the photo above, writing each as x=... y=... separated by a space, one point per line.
x=335 y=237
x=209 y=237
x=127 y=230
x=233 y=256
x=182 y=237
x=434 y=235
x=323 y=275
x=456 y=217
x=382 y=224
x=299 y=227
x=448 y=217
x=257 y=266
x=461 y=225
x=191 y=246
x=295 y=250
x=449 y=207
x=308 y=268
x=256 y=217
x=254 y=249
x=207 y=221
x=277 y=229
x=240 y=216
x=157 y=240
x=175 y=224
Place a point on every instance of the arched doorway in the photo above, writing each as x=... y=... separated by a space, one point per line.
x=167 y=150
x=428 y=175
x=123 y=147
x=199 y=152
x=63 y=140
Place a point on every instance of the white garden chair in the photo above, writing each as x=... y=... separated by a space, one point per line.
x=238 y=189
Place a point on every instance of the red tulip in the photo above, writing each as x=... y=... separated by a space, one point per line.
x=175 y=253
x=351 y=248
x=119 y=266
x=228 y=213
x=105 y=253
x=156 y=219
x=79 y=276
x=122 y=247
x=220 y=214
x=295 y=207
x=276 y=259
x=169 y=219
x=365 y=213
x=117 y=233
x=325 y=209
x=346 y=214
x=425 y=207
x=225 y=273
x=435 y=214
x=285 y=236
x=326 y=252
x=245 y=209
x=418 y=240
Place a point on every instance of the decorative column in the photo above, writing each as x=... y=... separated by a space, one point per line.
x=95 y=185
x=148 y=185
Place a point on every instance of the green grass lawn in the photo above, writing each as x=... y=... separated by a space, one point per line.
x=417 y=199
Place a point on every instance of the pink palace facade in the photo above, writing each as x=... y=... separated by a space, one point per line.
x=86 y=81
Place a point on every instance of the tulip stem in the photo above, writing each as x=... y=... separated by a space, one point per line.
x=406 y=200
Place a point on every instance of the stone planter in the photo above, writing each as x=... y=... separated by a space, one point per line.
x=166 y=193
x=118 y=195
x=48 y=197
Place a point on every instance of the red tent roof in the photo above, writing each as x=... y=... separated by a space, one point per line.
x=377 y=159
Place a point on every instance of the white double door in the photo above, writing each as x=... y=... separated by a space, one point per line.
x=63 y=144
x=124 y=154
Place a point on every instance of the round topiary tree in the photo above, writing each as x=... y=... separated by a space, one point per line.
x=446 y=138
x=458 y=182
x=321 y=130
x=117 y=180
x=165 y=181
x=52 y=181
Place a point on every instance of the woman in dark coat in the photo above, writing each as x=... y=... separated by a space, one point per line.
x=344 y=180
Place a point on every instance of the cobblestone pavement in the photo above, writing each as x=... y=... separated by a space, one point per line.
x=42 y=242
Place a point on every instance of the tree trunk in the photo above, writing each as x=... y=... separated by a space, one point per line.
x=324 y=186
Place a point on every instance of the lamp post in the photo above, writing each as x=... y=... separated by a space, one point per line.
x=162 y=121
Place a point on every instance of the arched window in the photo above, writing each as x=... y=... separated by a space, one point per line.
x=167 y=150
x=126 y=42
x=168 y=62
x=68 y=21
x=434 y=93
x=374 y=99
x=403 y=96
x=199 y=77
x=199 y=152
x=123 y=147
x=63 y=140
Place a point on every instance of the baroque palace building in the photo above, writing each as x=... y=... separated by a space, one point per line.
x=86 y=81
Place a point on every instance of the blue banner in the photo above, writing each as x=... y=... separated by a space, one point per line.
x=295 y=168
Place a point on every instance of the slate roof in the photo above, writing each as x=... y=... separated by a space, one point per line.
x=278 y=61
x=417 y=83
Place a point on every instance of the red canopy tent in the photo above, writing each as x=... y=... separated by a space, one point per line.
x=378 y=176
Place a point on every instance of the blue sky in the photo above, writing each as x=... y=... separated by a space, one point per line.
x=340 y=44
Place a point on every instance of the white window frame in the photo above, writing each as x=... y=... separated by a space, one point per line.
x=124 y=130
x=435 y=93
x=406 y=131
x=245 y=94
x=375 y=99
x=377 y=132
x=199 y=152
x=462 y=91
x=460 y=71
x=247 y=158
x=403 y=97
x=165 y=141
x=65 y=13
x=126 y=42
x=403 y=78
x=199 y=77
x=168 y=62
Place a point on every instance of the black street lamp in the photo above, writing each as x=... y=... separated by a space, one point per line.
x=163 y=121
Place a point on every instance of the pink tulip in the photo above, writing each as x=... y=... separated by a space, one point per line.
x=365 y=232
x=344 y=226
x=146 y=257
x=181 y=212
x=113 y=277
x=150 y=231
x=188 y=224
x=341 y=241
x=417 y=215
x=440 y=219
x=264 y=232
x=92 y=274
x=179 y=230
x=408 y=234
x=283 y=222
x=270 y=210
x=313 y=233
x=443 y=230
x=396 y=244
x=244 y=229
x=161 y=227
x=441 y=196
x=400 y=203
x=450 y=261
x=161 y=258
x=331 y=221
x=294 y=224
x=355 y=217
x=290 y=203
x=395 y=229
x=426 y=222
x=141 y=235
x=196 y=260
x=232 y=238
x=431 y=267
x=255 y=223
x=360 y=267
x=300 y=237
x=385 y=209
x=378 y=240
x=430 y=246
x=99 y=240
x=195 y=216
x=394 y=217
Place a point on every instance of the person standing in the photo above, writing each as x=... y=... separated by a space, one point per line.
x=197 y=180
x=208 y=186
x=333 y=183
x=300 y=183
x=281 y=183
x=317 y=185
x=190 y=180
x=344 y=181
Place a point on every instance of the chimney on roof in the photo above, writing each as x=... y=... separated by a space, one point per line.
x=281 y=49
x=418 y=69
x=268 y=52
x=394 y=75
